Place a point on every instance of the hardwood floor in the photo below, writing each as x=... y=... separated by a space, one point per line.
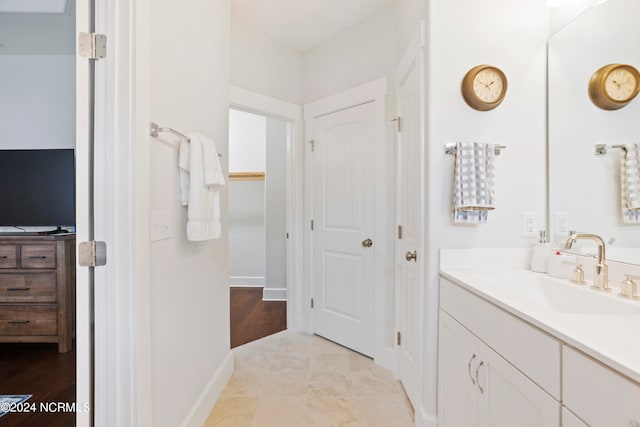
x=39 y=370
x=252 y=318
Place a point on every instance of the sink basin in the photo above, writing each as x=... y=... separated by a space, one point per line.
x=555 y=295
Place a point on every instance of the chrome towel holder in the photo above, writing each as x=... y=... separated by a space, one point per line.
x=451 y=148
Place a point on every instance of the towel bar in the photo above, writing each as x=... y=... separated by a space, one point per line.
x=154 y=129
x=601 y=149
x=451 y=148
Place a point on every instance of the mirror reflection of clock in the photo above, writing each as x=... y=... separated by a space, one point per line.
x=614 y=86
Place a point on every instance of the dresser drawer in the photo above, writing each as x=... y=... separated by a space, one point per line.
x=597 y=394
x=28 y=320
x=28 y=287
x=38 y=256
x=8 y=256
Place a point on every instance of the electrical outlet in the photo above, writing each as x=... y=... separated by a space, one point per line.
x=160 y=226
x=529 y=224
x=563 y=223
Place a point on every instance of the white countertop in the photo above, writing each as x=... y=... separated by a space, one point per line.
x=611 y=336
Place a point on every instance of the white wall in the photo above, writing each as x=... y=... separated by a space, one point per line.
x=191 y=360
x=264 y=66
x=358 y=55
x=37 y=105
x=276 y=206
x=462 y=34
x=248 y=142
x=409 y=13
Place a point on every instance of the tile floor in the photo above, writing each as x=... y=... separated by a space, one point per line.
x=299 y=380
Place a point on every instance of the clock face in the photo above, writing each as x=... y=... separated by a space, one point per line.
x=488 y=85
x=620 y=85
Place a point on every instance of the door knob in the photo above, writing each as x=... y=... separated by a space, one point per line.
x=367 y=243
x=412 y=256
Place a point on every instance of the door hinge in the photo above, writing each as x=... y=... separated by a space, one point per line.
x=399 y=232
x=398 y=123
x=312 y=225
x=92 y=45
x=311 y=302
x=399 y=338
x=92 y=254
x=313 y=145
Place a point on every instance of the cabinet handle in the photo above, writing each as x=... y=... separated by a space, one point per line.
x=18 y=289
x=477 y=380
x=4 y=257
x=18 y=322
x=37 y=257
x=469 y=369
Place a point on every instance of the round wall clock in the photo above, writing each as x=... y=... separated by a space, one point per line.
x=614 y=86
x=484 y=87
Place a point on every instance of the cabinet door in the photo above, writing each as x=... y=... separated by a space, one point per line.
x=458 y=359
x=570 y=420
x=509 y=398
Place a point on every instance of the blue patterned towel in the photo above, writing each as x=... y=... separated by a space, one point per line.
x=473 y=193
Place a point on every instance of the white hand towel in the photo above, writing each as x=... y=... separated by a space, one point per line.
x=183 y=167
x=473 y=193
x=203 y=214
x=630 y=184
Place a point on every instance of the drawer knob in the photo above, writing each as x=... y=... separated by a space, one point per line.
x=18 y=322
x=18 y=289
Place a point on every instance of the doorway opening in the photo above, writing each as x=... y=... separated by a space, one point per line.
x=257 y=225
x=37 y=269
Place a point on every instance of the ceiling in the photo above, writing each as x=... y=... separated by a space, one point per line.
x=303 y=24
x=37 y=27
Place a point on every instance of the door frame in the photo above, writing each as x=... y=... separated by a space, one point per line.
x=122 y=381
x=413 y=54
x=253 y=102
x=374 y=91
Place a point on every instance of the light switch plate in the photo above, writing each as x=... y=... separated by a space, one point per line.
x=160 y=224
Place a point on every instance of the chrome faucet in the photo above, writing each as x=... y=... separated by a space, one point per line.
x=601 y=270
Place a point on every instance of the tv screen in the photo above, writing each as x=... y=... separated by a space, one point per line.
x=37 y=188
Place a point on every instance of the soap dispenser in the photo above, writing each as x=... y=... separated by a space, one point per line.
x=540 y=254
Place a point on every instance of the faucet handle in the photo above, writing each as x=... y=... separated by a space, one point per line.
x=578 y=275
x=628 y=287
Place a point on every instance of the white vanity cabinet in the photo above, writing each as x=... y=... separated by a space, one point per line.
x=477 y=386
x=598 y=395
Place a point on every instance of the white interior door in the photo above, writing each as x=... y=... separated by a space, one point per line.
x=410 y=214
x=343 y=236
x=84 y=279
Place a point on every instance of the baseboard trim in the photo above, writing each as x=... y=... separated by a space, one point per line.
x=423 y=419
x=203 y=406
x=274 y=294
x=247 y=281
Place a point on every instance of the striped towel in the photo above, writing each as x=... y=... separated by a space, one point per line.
x=473 y=194
x=630 y=184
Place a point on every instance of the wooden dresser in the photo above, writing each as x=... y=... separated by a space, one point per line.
x=37 y=289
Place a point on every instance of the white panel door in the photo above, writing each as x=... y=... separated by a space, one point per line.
x=409 y=254
x=343 y=168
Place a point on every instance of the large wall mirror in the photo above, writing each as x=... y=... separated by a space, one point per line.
x=584 y=188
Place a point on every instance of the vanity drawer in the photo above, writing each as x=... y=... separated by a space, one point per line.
x=597 y=394
x=28 y=287
x=8 y=256
x=38 y=256
x=532 y=351
x=28 y=320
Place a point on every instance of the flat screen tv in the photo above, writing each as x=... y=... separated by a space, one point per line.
x=37 y=188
